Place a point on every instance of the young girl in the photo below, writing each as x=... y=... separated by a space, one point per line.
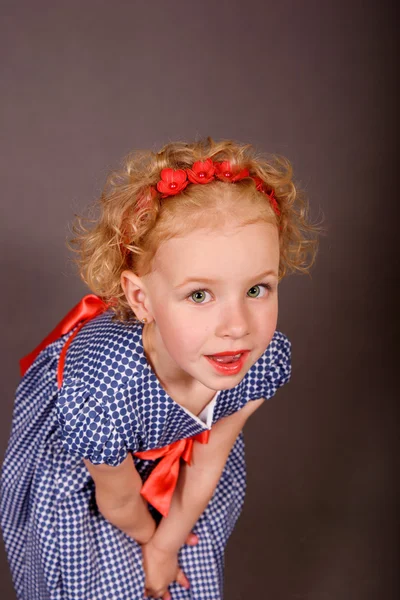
x=127 y=428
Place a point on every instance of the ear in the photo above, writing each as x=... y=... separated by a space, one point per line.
x=136 y=295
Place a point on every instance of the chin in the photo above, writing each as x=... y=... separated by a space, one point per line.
x=227 y=382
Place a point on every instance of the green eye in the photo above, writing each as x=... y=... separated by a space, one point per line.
x=266 y=287
x=257 y=291
x=198 y=296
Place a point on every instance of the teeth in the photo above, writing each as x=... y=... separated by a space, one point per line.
x=224 y=359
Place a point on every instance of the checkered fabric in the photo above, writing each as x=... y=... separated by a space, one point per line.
x=58 y=544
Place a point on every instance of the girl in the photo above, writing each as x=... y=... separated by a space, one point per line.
x=127 y=428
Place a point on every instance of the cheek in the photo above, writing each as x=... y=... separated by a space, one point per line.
x=177 y=333
x=269 y=323
x=188 y=338
x=184 y=341
x=179 y=324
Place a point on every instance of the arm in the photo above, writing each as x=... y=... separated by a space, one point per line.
x=196 y=483
x=118 y=498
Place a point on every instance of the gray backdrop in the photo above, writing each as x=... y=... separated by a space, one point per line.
x=83 y=83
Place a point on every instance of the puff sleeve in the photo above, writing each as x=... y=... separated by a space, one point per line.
x=272 y=370
x=87 y=427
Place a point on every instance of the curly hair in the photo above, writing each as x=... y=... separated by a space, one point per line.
x=134 y=220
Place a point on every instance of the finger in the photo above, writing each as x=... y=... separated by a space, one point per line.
x=182 y=579
x=192 y=539
x=149 y=593
x=159 y=594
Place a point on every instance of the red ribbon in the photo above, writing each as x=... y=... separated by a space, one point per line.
x=159 y=487
x=89 y=307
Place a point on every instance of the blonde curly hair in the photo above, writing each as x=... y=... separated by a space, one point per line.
x=134 y=220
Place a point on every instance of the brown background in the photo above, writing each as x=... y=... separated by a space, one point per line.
x=85 y=82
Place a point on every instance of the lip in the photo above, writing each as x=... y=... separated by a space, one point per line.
x=229 y=368
x=228 y=353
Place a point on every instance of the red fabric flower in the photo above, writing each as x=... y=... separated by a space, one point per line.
x=224 y=171
x=201 y=172
x=172 y=182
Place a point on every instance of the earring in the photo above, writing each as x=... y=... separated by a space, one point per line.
x=143 y=320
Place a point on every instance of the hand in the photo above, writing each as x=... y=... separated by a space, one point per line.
x=192 y=539
x=161 y=569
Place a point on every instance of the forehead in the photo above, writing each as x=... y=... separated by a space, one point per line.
x=230 y=252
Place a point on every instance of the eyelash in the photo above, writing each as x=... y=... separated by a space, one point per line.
x=267 y=286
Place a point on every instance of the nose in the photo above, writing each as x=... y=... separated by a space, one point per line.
x=233 y=321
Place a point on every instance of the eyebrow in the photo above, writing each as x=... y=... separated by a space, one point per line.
x=209 y=281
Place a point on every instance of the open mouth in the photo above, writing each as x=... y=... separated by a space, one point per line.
x=228 y=365
x=226 y=359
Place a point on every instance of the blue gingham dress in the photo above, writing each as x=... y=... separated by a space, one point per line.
x=58 y=544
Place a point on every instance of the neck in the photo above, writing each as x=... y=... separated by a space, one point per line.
x=179 y=386
x=167 y=371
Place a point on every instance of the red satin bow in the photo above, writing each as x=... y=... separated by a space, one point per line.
x=160 y=485
x=89 y=307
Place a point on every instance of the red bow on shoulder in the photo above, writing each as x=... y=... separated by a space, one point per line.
x=89 y=307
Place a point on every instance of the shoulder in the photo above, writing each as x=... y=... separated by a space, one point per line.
x=279 y=345
x=271 y=371
x=105 y=350
x=97 y=417
x=277 y=356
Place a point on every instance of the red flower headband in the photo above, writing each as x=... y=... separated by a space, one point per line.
x=174 y=181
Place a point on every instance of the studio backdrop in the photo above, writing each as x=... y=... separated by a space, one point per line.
x=84 y=83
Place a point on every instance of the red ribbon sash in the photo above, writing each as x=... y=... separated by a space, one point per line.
x=159 y=487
